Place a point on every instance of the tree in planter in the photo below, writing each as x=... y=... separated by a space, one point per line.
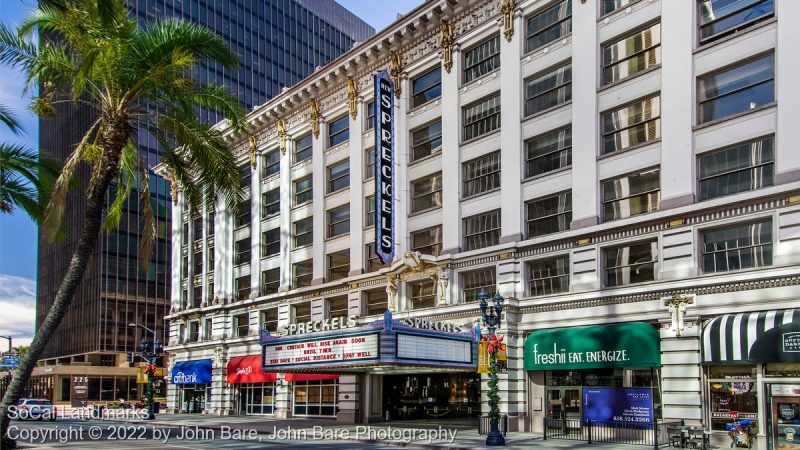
x=95 y=55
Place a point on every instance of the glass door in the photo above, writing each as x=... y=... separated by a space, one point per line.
x=564 y=403
x=786 y=422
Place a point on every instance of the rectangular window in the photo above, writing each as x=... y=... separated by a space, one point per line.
x=482 y=117
x=549 y=214
x=272 y=164
x=197 y=228
x=423 y=294
x=738 y=247
x=271 y=203
x=241 y=325
x=210 y=224
x=482 y=59
x=609 y=6
x=634 y=263
x=369 y=161
x=548 y=152
x=479 y=280
x=745 y=167
x=632 y=54
x=481 y=174
x=198 y=263
x=737 y=89
x=194 y=332
x=208 y=329
x=303 y=148
x=632 y=124
x=427 y=241
x=426 y=87
x=243 y=251
x=337 y=307
x=548 y=276
x=373 y=262
x=548 y=90
x=339 y=220
x=303 y=191
x=719 y=18
x=376 y=301
x=339 y=176
x=339 y=131
x=552 y=24
x=338 y=265
x=243 y=287
x=302 y=273
x=271 y=242
x=269 y=319
x=197 y=296
x=246 y=173
x=301 y=312
x=426 y=192
x=369 y=212
x=243 y=214
x=185 y=233
x=185 y=267
x=482 y=230
x=271 y=279
x=631 y=195
x=211 y=259
x=370 y=116
x=426 y=141
x=303 y=232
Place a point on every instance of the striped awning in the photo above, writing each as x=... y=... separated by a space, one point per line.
x=755 y=337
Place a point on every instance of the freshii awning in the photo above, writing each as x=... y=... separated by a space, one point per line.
x=633 y=344
x=755 y=337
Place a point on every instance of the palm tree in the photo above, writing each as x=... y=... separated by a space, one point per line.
x=95 y=55
x=24 y=176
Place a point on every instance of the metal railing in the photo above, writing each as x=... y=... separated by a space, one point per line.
x=592 y=431
x=485 y=422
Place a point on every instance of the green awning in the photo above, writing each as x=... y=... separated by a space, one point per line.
x=632 y=344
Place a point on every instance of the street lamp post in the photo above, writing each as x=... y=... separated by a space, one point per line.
x=149 y=352
x=492 y=317
x=10 y=347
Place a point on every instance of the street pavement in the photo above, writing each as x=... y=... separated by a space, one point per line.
x=194 y=431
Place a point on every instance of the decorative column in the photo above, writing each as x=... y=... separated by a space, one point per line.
x=318 y=183
x=681 y=373
x=205 y=294
x=223 y=252
x=451 y=134
x=511 y=133
x=255 y=223
x=177 y=245
x=356 y=147
x=787 y=66
x=584 y=112
x=401 y=183
x=286 y=216
x=283 y=394
x=677 y=159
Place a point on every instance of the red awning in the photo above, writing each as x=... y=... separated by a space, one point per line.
x=310 y=376
x=247 y=369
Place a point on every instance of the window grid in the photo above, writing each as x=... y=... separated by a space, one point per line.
x=272 y=164
x=303 y=232
x=426 y=193
x=373 y=261
x=271 y=242
x=369 y=160
x=370 y=124
x=423 y=294
x=482 y=230
x=376 y=300
x=242 y=325
x=243 y=287
x=742 y=246
x=477 y=281
x=243 y=251
x=426 y=87
x=339 y=131
x=482 y=117
x=549 y=152
x=271 y=280
x=303 y=148
x=609 y=6
x=548 y=90
x=426 y=141
x=271 y=202
x=301 y=274
x=337 y=307
x=744 y=167
x=737 y=89
x=427 y=241
x=303 y=191
x=482 y=59
x=269 y=319
x=339 y=176
x=481 y=174
x=548 y=276
x=338 y=265
x=549 y=25
x=369 y=216
x=632 y=54
x=722 y=18
x=339 y=220
x=632 y=124
x=301 y=312
x=549 y=215
x=633 y=263
x=243 y=214
x=631 y=195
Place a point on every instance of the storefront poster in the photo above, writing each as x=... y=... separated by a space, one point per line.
x=630 y=405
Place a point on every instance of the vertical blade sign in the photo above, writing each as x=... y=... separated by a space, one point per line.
x=384 y=167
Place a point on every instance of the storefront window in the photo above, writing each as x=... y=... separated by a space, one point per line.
x=733 y=395
x=782 y=370
x=257 y=398
x=315 y=398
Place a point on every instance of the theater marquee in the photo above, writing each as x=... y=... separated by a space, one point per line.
x=323 y=350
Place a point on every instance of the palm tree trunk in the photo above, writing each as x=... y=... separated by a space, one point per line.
x=114 y=137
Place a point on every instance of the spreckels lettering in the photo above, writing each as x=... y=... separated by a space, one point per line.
x=429 y=325
x=337 y=323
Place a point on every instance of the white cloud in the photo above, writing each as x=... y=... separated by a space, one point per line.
x=18 y=304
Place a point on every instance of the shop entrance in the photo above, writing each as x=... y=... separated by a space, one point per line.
x=431 y=395
x=784 y=417
x=194 y=399
x=564 y=402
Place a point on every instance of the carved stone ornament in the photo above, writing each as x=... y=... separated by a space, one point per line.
x=282 y=135
x=173 y=183
x=314 y=112
x=507 y=11
x=391 y=290
x=253 y=149
x=446 y=43
x=352 y=98
x=396 y=70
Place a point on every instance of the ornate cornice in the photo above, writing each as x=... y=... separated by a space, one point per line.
x=507 y=11
x=396 y=71
x=446 y=41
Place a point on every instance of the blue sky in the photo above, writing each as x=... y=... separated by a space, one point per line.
x=18 y=235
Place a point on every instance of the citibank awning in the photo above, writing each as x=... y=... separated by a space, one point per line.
x=756 y=337
x=633 y=344
x=246 y=370
x=192 y=372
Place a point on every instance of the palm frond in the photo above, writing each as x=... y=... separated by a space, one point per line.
x=25 y=179
x=125 y=183
x=10 y=120
x=15 y=50
x=148 y=235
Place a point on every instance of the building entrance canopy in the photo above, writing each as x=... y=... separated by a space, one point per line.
x=192 y=372
x=634 y=344
x=382 y=344
x=751 y=338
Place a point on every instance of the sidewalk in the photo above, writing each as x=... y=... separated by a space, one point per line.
x=401 y=434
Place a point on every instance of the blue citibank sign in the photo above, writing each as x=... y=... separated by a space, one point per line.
x=384 y=167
